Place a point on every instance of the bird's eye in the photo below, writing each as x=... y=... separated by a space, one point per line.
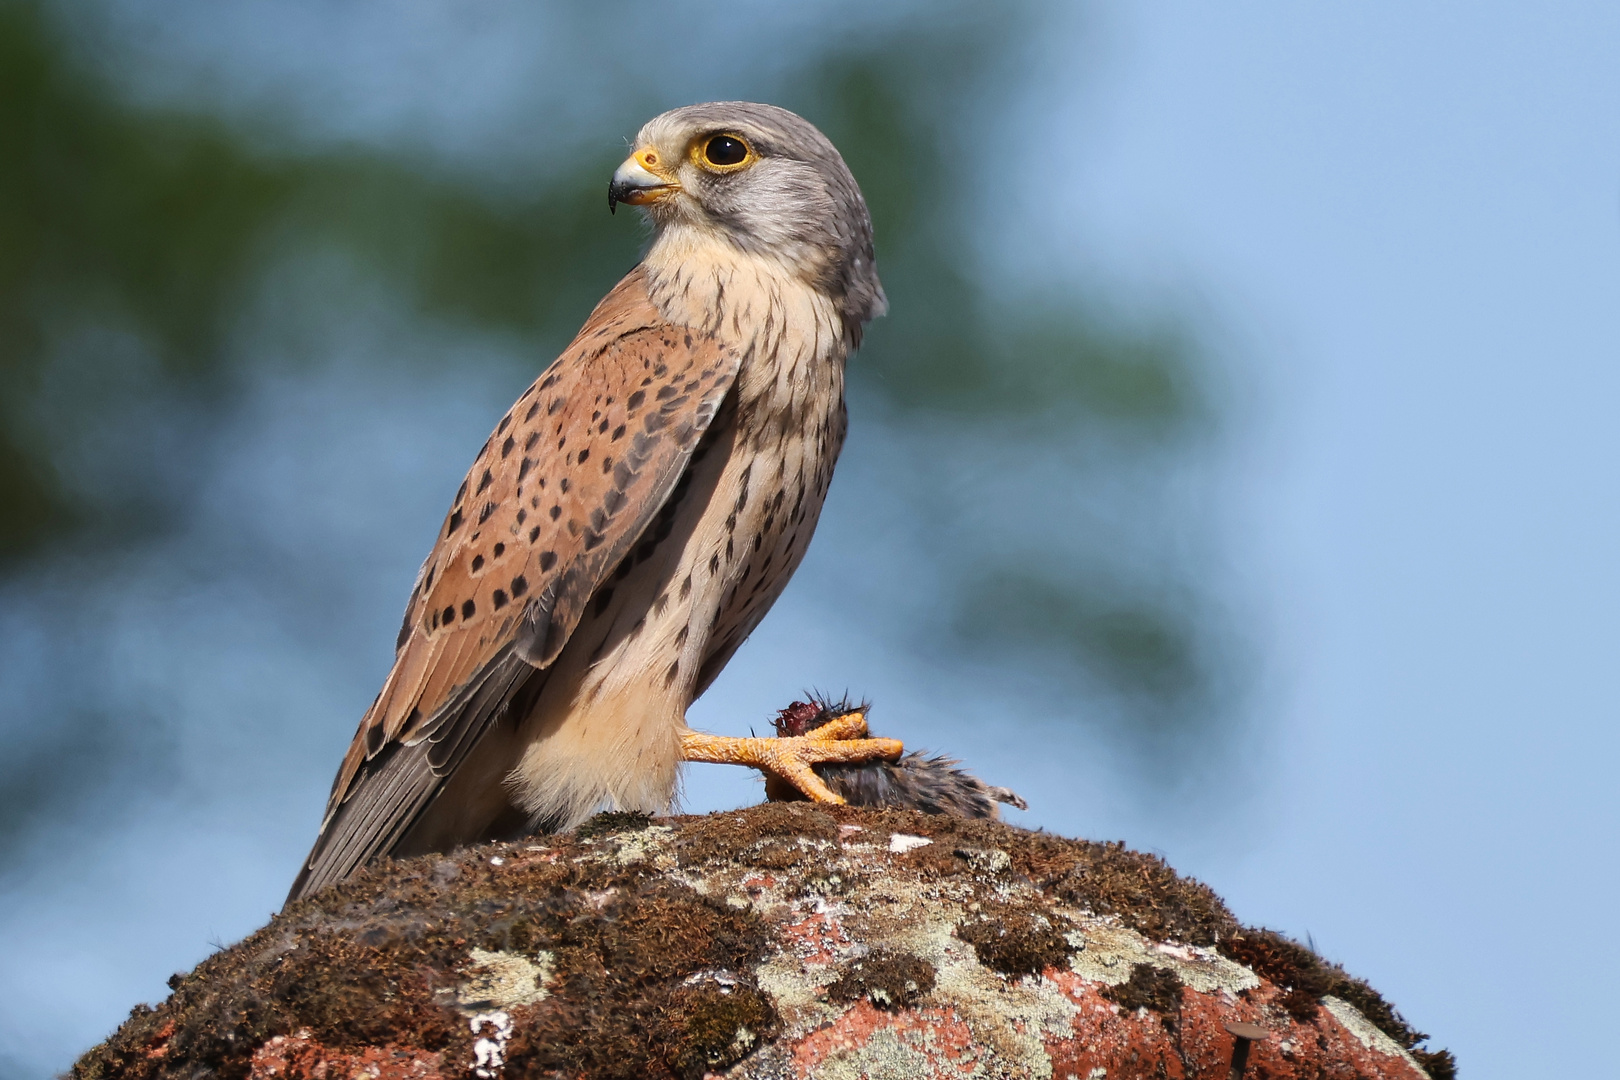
x=725 y=150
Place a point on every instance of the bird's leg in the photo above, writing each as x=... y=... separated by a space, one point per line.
x=791 y=758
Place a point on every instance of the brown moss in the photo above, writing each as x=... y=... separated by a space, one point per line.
x=1149 y=987
x=371 y=961
x=822 y=880
x=1306 y=978
x=935 y=861
x=351 y=994
x=1439 y=1064
x=1016 y=940
x=719 y=1024
x=137 y=1039
x=785 y=854
x=623 y=948
x=1146 y=894
x=730 y=836
x=613 y=821
x=1297 y=971
x=889 y=980
x=348 y=988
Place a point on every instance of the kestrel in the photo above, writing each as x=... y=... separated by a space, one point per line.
x=634 y=515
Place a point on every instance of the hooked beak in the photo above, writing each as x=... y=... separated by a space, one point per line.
x=640 y=180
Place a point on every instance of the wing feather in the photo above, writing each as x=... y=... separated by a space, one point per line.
x=571 y=477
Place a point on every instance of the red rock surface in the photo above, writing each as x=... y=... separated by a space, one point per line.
x=299 y=1057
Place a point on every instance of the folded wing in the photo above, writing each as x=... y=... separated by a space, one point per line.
x=560 y=493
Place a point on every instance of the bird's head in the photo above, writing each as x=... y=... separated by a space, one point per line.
x=765 y=181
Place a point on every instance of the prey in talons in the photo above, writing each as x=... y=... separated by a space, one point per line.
x=931 y=783
x=791 y=761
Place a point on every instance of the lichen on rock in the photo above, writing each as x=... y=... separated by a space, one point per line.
x=784 y=940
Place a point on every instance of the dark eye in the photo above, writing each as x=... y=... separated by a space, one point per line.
x=725 y=150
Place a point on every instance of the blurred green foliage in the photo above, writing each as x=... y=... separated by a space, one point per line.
x=162 y=224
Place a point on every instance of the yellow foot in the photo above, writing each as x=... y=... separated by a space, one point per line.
x=851 y=725
x=842 y=740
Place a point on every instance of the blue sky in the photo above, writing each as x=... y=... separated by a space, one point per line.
x=1409 y=218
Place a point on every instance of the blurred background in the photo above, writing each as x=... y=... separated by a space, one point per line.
x=1235 y=475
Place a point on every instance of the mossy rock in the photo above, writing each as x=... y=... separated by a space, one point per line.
x=783 y=940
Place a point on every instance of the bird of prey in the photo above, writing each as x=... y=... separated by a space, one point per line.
x=633 y=516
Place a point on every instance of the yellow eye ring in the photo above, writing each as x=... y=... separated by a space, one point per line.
x=724 y=152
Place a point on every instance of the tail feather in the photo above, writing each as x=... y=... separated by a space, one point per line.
x=391 y=792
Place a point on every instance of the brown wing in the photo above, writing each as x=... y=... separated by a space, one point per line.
x=569 y=480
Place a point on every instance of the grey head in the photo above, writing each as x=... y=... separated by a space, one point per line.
x=767 y=181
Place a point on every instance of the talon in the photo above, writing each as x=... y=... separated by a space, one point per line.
x=792 y=758
x=851 y=725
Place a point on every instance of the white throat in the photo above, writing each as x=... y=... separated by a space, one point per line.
x=698 y=279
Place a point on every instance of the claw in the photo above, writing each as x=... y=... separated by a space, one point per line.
x=793 y=758
x=851 y=725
